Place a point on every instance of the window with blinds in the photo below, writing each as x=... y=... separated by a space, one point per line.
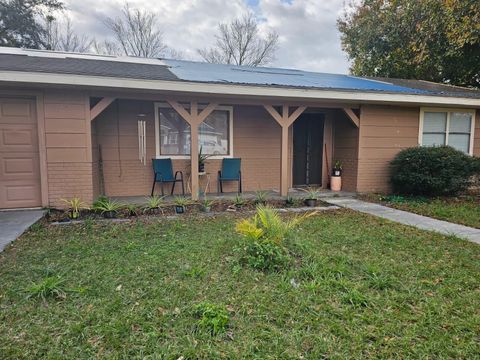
x=453 y=128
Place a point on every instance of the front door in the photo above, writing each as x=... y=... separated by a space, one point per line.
x=308 y=150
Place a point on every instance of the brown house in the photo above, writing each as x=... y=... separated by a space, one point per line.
x=83 y=125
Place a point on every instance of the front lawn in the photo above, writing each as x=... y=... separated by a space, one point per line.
x=461 y=210
x=361 y=287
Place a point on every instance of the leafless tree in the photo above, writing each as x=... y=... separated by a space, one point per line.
x=137 y=33
x=61 y=36
x=107 y=47
x=240 y=43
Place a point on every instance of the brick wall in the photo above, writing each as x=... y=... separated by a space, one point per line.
x=384 y=131
x=345 y=149
x=68 y=148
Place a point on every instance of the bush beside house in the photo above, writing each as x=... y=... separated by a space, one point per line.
x=433 y=171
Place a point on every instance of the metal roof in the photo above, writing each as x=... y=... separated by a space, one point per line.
x=219 y=73
x=41 y=61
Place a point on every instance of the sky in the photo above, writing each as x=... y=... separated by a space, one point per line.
x=308 y=37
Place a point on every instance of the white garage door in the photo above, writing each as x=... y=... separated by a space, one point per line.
x=19 y=159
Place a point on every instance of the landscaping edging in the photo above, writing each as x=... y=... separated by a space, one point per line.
x=199 y=214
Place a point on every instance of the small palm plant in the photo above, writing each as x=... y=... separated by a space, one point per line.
x=132 y=209
x=154 y=204
x=181 y=203
x=312 y=196
x=238 y=201
x=207 y=204
x=265 y=233
x=108 y=207
x=261 y=197
x=75 y=205
x=268 y=226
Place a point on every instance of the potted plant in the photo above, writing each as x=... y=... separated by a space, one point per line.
x=312 y=197
x=202 y=158
x=154 y=204
x=207 y=205
x=181 y=203
x=107 y=207
x=337 y=168
x=336 y=178
x=75 y=205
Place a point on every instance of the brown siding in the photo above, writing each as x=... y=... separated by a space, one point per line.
x=346 y=149
x=256 y=139
x=67 y=132
x=384 y=131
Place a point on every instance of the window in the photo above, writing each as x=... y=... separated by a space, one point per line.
x=173 y=133
x=447 y=127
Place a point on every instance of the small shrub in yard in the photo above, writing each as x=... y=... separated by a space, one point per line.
x=432 y=171
x=50 y=286
x=212 y=317
x=265 y=233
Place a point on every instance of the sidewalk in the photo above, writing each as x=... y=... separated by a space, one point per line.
x=14 y=223
x=408 y=218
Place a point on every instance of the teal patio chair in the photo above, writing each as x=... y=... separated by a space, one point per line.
x=230 y=172
x=163 y=173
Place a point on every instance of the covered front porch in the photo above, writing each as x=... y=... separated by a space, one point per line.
x=282 y=145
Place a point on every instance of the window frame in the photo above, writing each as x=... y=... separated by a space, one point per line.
x=449 y=111
x=158 y=105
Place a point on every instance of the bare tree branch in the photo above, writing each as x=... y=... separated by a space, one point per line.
x=61 y=36
x=137 y=33
x=240 y=43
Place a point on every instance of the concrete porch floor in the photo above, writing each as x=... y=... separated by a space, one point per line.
x=274 y=195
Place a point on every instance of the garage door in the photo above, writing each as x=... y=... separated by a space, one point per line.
x=19 y=159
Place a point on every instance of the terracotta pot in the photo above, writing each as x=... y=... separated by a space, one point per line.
x=336 y=183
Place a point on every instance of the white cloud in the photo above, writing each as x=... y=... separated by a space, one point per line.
x=308 y=36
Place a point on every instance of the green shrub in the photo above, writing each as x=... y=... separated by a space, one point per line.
x=212 y=317
x=432 y=171
x=265 y=256
x=265 y=233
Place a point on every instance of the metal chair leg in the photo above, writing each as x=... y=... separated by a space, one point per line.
x=173 y=187
x=153 y=187
x=161 y=186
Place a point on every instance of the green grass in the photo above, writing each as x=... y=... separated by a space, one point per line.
x=363 y=288
x=463 y=210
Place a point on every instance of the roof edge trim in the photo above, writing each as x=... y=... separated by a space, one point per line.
x=230 y=89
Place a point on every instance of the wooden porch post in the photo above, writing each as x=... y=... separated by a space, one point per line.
x=284 y=120
x=194 y=118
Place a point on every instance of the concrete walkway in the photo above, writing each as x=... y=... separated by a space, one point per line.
x=408 y=218
x=14 y=223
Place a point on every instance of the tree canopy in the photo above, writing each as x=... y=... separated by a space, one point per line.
x=22 y=22
x=435 y=40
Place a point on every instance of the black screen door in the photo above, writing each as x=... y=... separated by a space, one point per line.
x=308 y=149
